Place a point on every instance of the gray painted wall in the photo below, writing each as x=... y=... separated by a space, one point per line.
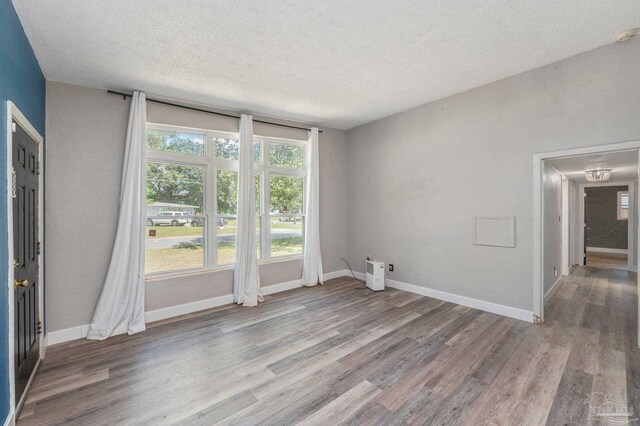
x=417 y=179
x=601 y=217
x=552 y=226
x=85 y=146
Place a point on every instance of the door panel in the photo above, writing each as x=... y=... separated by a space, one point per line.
x=25 y=246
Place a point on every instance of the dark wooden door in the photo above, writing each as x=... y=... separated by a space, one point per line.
x=25 y=251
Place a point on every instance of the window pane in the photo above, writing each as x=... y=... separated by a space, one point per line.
x=226 y=148
x=226 y=239
x=286 y=194
x=184 y=143
x=227 y=191
x=256 y=151
x=624 y=201
x=175 y=220
x=284 y=155
x=286 y=235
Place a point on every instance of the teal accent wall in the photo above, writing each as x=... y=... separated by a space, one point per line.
x=21 y=82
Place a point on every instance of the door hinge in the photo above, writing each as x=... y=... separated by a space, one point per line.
x=39 y=327
x=13 y=126
x=38 y=247
x=14 y=183
x=38 y=168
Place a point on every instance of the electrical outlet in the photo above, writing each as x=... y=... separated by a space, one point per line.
x=391 y=267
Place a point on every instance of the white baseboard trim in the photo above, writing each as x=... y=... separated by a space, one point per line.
x=187 y=308
x=482 y=305
x=494 y=308
x=277 y=288
x=336 y=274
x=551 y=291
x=81 y=331
x=67 y=334
x=10 y=420
x=607 y=250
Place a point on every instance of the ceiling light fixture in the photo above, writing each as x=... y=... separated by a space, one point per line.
x=627 y=35
x=598 y=175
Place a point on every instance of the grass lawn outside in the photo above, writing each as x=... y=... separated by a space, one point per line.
x=192 y=257
x=286 y=246
x=276 y=224
x=228 y=229
x=170 y=259
x=176 y=258
x=174 y=231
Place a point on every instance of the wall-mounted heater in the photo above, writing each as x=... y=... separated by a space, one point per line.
x=375 y=275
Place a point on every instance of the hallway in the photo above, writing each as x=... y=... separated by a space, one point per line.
x=594 y=315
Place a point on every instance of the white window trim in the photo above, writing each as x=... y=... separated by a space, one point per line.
x=211 y=166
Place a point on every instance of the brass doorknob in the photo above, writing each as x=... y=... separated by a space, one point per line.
x=23 y=283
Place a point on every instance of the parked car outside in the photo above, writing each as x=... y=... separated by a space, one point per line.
x=199 y=221
x=169 y=218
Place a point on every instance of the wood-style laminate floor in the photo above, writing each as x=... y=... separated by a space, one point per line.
x=607 y=260
x=342 y=355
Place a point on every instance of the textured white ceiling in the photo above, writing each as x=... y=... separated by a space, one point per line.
x=624 y=165
x=338 y=63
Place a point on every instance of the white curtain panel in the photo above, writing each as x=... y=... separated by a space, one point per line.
x=121 y=303
x=246 y=276
x=312 y=263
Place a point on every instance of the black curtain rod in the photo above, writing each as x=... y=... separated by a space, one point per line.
x=128 y=95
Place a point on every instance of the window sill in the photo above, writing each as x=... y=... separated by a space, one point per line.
x=161 y=276
x=280 y=259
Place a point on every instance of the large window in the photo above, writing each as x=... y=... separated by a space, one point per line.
x=192 y=198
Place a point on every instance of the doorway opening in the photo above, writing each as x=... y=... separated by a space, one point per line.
x=561 y=215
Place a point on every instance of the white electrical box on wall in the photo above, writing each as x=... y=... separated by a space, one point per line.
x=375 y=275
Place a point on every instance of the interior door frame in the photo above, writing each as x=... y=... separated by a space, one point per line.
x=631 y=221
x=14 y=114
x=538 y=209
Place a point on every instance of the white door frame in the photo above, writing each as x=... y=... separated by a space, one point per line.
x=631 y=221
x=564 y=223
x=538 y=208
x=13 y=113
